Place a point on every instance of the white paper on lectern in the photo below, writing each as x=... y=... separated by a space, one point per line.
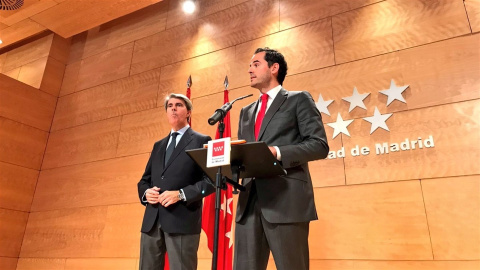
x=218 y=152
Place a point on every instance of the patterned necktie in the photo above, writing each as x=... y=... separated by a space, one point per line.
x=170 y=147
x=261 y=114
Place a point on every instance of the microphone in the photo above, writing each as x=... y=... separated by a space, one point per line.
x=220 y=113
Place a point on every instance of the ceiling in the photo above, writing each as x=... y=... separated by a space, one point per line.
x=63 y=17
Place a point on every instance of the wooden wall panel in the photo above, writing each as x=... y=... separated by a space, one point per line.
x=106 y=182
x=12 y=227
x=65 y=20
x=15 y=97
x=301 y=56
x=377 y=222
x=23 y=55
x=70 y=77
x=446 y=124
x=395 y=25
x=329 y=172
x=32 y=73
x=84 y=232
x=453 y=212
x=17 y=185
x=392 y=265
x=137 y=25
x=40 y=264
x=208 y=74
x=60 y=49
x=20 y=31
x=105 y=67
x=101 y=263
x=52 y=77
x=13 y=73
x=86 y=143
x=449 y=69
x=443 y=72
x=235 y=25
x=129 y=95
x=77 y=46
x=124 y=220
x=21 y=145
x=8 y=263
x=139 y=131
x=473 y=12
x=297 y=12
x=177 y=16
x=3 y=56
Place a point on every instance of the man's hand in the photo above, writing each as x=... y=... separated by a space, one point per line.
x=168 y=198
x=152 y=195
x=273 y=150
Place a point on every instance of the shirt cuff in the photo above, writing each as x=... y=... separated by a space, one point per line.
x=279 y=155
x=184 y=196
x=144 y=199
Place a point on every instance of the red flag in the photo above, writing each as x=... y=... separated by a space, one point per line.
x=225 y=233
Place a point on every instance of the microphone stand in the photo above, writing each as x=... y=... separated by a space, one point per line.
x=219 y=183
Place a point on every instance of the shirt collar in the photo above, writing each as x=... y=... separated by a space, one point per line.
x=272 y=93
x=181 y=131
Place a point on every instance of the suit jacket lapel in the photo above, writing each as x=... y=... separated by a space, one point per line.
x=277 y=102
x=250 y=128
x=161 y=150
x=184 y=141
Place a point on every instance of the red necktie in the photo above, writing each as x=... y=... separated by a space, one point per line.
x=260 y=115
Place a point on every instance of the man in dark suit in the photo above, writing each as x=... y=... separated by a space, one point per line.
x=273 y=214
x=172 y=188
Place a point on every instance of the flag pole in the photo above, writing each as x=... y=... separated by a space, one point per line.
x=189 y=84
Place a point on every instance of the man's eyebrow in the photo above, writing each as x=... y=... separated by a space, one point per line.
x=256 y=61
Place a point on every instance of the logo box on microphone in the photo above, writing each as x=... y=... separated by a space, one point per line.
x=218 y=153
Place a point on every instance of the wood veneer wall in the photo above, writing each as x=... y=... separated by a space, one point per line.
x=417 y=209
x=27 y=106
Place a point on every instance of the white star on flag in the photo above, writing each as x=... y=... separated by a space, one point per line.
x=322 y=105
x=356 y=100
x=378 y=120
x=394 y=92
x=225 y=206
x=340 y=126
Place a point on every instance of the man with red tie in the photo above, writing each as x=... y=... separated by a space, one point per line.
x=273 y=214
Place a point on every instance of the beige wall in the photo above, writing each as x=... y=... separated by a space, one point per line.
x=414 y=209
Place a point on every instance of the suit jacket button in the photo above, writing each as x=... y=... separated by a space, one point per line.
x=163 y=177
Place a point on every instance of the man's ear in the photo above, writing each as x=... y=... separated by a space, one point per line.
x=274 y=68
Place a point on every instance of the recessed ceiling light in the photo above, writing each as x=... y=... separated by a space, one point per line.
x=189 y=6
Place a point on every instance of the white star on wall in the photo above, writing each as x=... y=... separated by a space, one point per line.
x=356 y=100
x=340 y=126
x=378 y=120
x=394 y=92
x=322 y=105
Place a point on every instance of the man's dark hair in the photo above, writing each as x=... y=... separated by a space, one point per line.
x=272 y=56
